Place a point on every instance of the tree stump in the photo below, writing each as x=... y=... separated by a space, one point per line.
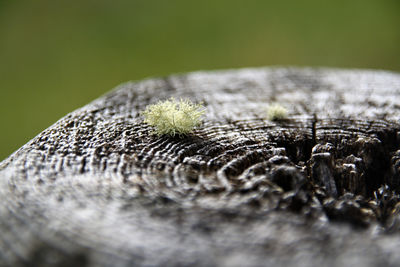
x=319 y=188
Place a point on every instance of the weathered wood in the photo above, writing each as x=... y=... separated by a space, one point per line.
x=316 y=189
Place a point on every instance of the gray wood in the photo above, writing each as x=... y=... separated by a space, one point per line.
x=316 y=189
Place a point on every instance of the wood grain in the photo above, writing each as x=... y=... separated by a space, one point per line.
x=319 y=188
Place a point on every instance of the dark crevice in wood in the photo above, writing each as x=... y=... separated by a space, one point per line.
x=314 y=130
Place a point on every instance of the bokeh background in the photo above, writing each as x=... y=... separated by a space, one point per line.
x=57 y=55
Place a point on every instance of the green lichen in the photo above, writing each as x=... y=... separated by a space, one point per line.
x=276 y=112
x=171 y=117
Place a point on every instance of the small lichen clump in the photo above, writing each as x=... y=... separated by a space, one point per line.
x=171 y=117
x=276 y=112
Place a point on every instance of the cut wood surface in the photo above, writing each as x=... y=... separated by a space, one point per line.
x=319 y=188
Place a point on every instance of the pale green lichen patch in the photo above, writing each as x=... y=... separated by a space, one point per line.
x=172 y=117
x=276 y=112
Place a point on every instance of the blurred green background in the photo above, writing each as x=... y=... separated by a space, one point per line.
x=57 y=55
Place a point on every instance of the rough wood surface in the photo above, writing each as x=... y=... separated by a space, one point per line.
x=316 y=189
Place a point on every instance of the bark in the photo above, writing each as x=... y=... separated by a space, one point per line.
x=319 y=188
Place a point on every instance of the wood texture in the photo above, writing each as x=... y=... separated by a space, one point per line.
x=317 y=189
